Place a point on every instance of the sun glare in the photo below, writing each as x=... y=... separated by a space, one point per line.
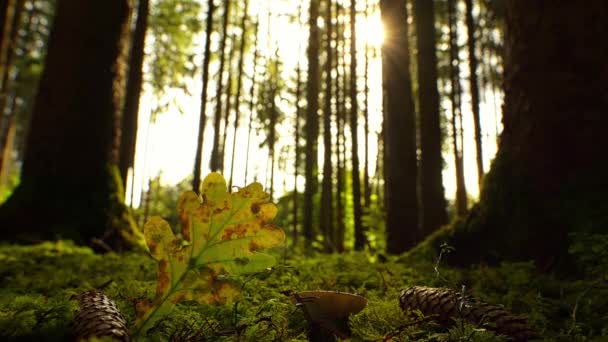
x=371 y=30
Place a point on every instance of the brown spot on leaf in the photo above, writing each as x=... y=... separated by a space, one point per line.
x=163 y=277
x=238 y=230
x=178 y=298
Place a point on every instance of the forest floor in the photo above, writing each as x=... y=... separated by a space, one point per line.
x=38 y=281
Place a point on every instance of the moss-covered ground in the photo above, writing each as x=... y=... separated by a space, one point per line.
x=38 y=281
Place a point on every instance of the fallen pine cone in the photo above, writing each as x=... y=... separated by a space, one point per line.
x=446 y=304
x=98 y=317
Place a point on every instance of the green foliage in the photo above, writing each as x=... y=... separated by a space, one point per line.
x=374 y=222
x=173 y=26
x=221 y=237
x=591 y=253
x=163 y=201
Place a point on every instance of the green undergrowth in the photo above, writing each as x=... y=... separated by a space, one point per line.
x=37 y=282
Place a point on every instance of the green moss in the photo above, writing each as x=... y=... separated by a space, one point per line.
x=37 y=282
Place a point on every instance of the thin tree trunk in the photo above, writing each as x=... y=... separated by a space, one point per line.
x=6 y=82
x=128 y=137
x=400 y=167
x=252 y=95
x=455 y=94
x=326 y=212
x=239 y=82
x=474 y=87
x=297 y=147
x=7 y=13
x=298 y=95
x=367 y=190
x=340 y=122
x=227 y=109
x=215 y=163
x=198 y=157
x=312 y=122
x=433 y=204
x=272 y=135
x=360 y=239
x=8 y=139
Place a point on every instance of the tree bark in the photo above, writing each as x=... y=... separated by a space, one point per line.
x=455 y=100
x=547 y=180
x=433 y=203
x=312 y=121
x=70 y=185
x=198 y=157
x=239 y=84
x=474 y=86
x=367 y=190
x=360 y=239
x=128 y=137
x=326 y=211
x=400 y=169
x=252 y=97
x=7 y=13
x=7 y=121
x=229 y=91
x=296 y=195
x=215 y=163
x=340 y=93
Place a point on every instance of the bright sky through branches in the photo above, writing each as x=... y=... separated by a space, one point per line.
x=167 y=146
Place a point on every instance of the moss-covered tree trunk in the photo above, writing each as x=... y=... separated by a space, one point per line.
x=70 y=186
x=549 y=177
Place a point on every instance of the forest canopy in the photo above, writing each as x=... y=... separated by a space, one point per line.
x=408 y=170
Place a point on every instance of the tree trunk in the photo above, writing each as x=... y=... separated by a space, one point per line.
x=252 y=96
x=215 y=163
x=296 y=159
x=128 y=137
x=274 y=116
x=360 y=239
x=326 y=212
x=312 y=121
x=227 y=109
x=455 y=96
x=6 y=82
x=433 y=204
x=7 y=142
x=7 y=13
x=340 y=93
x=239 y=82
x=400 y=170
x=474 y=86
x=548 y=179
x=198 y=157
x=70 y=185
x=367 y=190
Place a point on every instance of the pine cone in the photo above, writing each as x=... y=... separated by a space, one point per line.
x=445 y=304
x=98 y=317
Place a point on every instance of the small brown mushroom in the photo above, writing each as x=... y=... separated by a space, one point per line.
x=328 y=311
